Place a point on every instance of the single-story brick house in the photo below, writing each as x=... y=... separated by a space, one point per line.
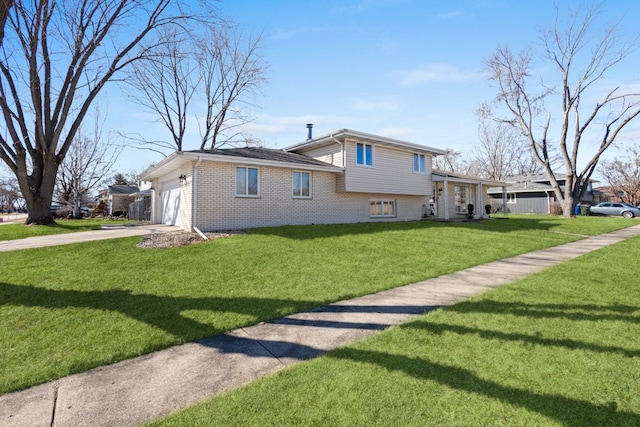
x=342 y=177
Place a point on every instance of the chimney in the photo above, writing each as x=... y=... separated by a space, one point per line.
x=309 y=136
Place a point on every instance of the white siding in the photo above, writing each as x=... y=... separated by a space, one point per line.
x=331 y=154
x=392 y=172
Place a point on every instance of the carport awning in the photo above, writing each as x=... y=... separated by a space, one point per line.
x=442 y=176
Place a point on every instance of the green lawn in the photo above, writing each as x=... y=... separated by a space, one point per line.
x=21 y=231
x=559 y=348
x=66 y=309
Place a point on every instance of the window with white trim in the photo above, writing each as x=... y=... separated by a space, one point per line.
x=364 y=154
x=463 y=195
x=383 y=208
x=419 y=165
x=511 y=197
x=301 y=184
x=247 y=182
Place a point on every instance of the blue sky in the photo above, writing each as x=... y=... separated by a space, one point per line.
x=408 y=69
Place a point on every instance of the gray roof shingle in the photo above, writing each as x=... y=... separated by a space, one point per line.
x=123 y=189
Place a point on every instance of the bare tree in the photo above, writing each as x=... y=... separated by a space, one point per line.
x=501 y=151
x=207 y=76
x=623 y=175
x=582 y=58
x=5 y=6
x=55 y=59
x=87 y=165
x=231 y=72
x=10 y=196
x=165 y=85
x=452 y=161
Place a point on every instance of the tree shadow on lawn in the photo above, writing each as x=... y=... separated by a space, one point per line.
x=164 y=312
x=568 y=411
x=441 y=328
x=575 y=312
x=565 y=410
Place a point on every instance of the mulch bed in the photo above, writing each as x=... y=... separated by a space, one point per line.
x=180 y=238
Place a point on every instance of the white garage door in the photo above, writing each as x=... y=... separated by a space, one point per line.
x=170 y=206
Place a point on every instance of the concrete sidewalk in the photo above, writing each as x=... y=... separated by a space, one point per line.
x=107 y=232
x=141 y=389
x=12 y=218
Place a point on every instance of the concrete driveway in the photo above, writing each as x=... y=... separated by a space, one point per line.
x=107 y=232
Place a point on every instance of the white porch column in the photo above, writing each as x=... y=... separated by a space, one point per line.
x=480 y=204
x=445 y=194
x=504 y=199
x=154 y=202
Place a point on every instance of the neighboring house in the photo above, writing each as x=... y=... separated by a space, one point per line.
x=118 y=198
x=534 y=194
x=342 y=177
x=612 y=194
x=140 y=207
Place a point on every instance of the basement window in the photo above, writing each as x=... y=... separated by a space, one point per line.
x=383 y=208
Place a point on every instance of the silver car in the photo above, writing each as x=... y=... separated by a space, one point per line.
x=615 y=209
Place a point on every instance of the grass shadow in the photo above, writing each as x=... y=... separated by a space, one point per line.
x=164 y=312
x=574 y=312
x=565 y=410
x=441 y=328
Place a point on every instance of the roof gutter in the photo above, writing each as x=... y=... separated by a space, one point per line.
x=186 y=157
x=370 y=137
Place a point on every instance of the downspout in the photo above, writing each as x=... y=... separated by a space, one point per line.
x=194 y=194
x=548 y=202
x=341 y=149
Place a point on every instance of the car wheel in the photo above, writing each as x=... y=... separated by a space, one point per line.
x=627 y=214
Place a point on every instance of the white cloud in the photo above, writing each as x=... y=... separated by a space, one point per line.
x=604 y=87
x=287 y=130
x=388 y=103
x=397 y=133
x=436 y=72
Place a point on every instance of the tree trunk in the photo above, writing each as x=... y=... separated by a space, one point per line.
x=77 y=213
x=569 y=195
x=567 y=207
x=37 y=190
x=39 y=213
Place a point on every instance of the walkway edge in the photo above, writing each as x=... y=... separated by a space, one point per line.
x=83 y=236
